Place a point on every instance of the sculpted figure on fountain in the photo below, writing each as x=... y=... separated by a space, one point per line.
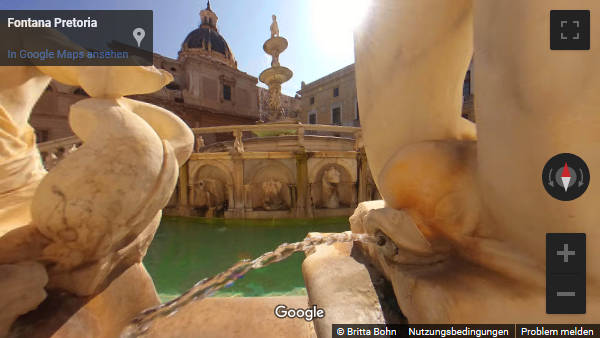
x=465 y=217
x=96 y=212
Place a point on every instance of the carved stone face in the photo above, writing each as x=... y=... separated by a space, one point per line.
x=208 y=192
x=331 y=175
x=271 y=187
x=272 y=199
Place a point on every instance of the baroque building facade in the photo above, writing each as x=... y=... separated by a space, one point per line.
x=208 y=88
x=332 y=99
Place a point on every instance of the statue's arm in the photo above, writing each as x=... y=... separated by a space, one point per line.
x=110 y=82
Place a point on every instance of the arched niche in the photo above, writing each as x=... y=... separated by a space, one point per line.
x=316 y=165
x=269 y=187
x=333 y=187
x=209 y=189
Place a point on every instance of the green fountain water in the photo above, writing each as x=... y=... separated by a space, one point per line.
x=186 y=250
x=207 y=287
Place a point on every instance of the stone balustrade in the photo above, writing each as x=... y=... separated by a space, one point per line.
x=287 y=128
x=54 y=151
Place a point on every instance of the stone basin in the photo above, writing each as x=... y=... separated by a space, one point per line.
x=275 y=132
x=275 y=75
x=275 y=45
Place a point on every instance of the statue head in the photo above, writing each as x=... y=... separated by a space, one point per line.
x=331 y=175
x=274 y=17
x=271 y=187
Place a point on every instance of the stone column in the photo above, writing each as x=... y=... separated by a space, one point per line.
x=293 y=196
x=363 y=175
x=354 y=202
x=183 y=207
x=230 y=199
x=248 y=197
x=302 y=184
x=301 y=138
x=238 y=184
x=311 y=204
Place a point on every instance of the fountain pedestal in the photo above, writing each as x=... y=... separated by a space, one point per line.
x=274 y=76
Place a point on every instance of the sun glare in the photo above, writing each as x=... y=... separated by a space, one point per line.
x=333 y=22
x=339 y=14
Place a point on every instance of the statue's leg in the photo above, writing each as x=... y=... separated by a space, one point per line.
x=411 y=64
x=411 y=59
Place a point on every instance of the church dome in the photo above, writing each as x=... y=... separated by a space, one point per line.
x=203 y=36
x=206 y=40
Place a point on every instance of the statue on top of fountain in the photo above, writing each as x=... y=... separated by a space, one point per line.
x=274 y=27
x=464 y=223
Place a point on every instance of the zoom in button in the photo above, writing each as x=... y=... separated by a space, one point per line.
x=565 y=273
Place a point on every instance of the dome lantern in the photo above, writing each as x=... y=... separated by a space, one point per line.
x=208 y=18
x=206 y=40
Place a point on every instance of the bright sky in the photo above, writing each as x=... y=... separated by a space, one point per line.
x=319 y=32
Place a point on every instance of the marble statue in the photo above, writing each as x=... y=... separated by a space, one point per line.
x=272 y=195
x=275 y=101
x=238 y=145
x=465 y=216
x=329 y=189
x=95 y=213
x=274 y=27
x=199 y=143
x=208 y=193
x=50 y=161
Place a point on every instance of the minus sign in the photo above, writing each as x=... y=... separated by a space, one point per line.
x=565 y=294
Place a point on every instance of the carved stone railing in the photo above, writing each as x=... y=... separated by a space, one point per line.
x=54 y=151
x=298 y=129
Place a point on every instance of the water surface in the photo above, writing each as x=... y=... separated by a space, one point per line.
x=186 y=250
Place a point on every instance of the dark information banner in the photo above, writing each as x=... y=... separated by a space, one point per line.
x=76 y=38
x=466 y=330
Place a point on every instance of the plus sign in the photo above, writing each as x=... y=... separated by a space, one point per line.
x=565 y=253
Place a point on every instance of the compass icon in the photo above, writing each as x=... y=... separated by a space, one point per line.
x=565 y=177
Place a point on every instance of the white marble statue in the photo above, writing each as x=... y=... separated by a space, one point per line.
x=466 y=213
x=329 y=188
x=101 y=198
x=208 y=193
x=238 y=144
x=199 y=143
x=272 y=195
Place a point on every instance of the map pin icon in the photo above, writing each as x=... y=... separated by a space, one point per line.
x=138 y=35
